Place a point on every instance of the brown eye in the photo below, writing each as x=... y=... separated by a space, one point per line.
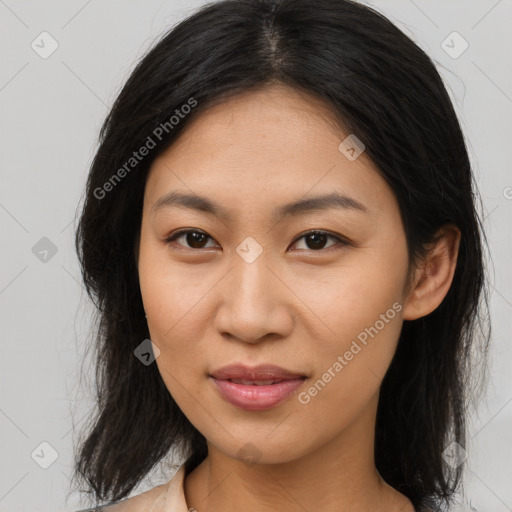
x=316 y=240
x=194 y=238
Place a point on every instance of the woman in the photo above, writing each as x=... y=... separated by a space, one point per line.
x=280 y=235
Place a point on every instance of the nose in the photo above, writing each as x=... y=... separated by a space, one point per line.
x=255 y=304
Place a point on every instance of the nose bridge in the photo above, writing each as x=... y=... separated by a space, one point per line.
x=251 y=301
x=250 y=283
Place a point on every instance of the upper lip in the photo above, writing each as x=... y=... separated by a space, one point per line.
x=255 y=373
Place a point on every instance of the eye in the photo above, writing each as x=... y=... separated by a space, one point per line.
x=193 y=237
x=315 y=240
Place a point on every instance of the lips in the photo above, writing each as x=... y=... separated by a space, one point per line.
x=258 y=375
x=258 y=388
x=256 y=382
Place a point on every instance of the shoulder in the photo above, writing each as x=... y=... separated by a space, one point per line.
x=149 y=501
x=157 y=499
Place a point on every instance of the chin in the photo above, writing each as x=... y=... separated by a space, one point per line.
x=253 y=449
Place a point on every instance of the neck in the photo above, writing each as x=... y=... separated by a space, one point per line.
x=339 y=475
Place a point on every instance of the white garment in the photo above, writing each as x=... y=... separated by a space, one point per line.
x=169 y=497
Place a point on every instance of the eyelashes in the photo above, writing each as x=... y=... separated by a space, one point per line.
x=315 y=236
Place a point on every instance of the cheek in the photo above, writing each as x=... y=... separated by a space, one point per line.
x=174 y=328
x=173 y=297
x=168 y=310
x=360 y=310
x=350 y=366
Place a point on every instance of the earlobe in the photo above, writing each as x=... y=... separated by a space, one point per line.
x=433 y=278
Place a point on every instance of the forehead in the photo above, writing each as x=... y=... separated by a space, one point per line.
x=263 y=146
x=268 y=116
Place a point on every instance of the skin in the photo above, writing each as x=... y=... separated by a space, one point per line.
x=295 y=305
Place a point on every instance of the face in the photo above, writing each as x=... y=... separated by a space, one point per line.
x=241 y=277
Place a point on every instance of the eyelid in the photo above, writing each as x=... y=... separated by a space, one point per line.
x=174 y=235
x=343 y=241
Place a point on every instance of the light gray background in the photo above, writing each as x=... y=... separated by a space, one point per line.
x=51 y=112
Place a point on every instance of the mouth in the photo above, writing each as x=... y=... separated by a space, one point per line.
x=256 y=374
x=257 y=382
x=257 y=388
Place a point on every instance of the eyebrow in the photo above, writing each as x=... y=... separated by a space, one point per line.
x=302 y=206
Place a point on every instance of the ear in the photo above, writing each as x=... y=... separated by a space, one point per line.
x=433 y=276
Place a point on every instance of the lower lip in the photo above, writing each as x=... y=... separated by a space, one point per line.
x=257 y=398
